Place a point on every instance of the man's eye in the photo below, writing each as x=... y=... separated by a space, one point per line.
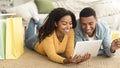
x=83 y=24
x=91 y=23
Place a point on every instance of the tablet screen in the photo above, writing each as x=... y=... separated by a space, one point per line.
x=91 y=47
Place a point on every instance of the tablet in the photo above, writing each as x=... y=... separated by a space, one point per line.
x=91 y=47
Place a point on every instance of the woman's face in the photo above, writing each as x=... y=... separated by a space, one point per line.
x=64 y=24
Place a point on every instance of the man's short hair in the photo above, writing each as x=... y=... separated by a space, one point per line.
x=86 y=12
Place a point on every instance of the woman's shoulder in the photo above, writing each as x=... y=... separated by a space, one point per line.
x=71 y=32
x=49 y=37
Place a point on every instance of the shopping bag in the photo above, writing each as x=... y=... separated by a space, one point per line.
x=2 y=38
x=14 y=38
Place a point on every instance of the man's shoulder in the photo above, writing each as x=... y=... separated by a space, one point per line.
x=102 y=24
x=102 y=27
x=78 y=25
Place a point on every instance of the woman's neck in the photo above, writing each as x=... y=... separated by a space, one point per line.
x=60 y=35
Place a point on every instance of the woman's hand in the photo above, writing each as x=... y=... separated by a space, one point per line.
x=79 y=58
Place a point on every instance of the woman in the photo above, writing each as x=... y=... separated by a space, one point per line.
x=55 y=37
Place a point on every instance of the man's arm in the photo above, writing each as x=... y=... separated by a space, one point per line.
x=107 y=41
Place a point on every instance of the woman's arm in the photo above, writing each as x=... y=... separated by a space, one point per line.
x=49 y=49
x=70 y=44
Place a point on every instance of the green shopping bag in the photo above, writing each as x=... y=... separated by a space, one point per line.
x=2 y=38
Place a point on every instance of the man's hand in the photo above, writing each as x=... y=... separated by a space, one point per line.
x=115 y=45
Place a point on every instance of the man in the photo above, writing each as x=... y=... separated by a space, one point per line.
x=89 y=28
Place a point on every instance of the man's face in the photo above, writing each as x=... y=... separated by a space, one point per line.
x=88 y=25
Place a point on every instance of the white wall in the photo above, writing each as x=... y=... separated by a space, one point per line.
x=19 y=2
x=4 y=3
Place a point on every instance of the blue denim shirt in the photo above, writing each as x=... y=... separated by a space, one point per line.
x=102 y=32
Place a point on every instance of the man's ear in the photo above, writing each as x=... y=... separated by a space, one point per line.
x=96 y=19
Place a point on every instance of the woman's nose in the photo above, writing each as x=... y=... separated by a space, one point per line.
x=69 y=26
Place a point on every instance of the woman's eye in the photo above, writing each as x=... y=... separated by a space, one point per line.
x=64 y=23
x=71 y=23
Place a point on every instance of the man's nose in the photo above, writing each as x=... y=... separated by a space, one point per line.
x=87 y=26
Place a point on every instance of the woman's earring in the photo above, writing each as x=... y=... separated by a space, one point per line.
x=55 y=25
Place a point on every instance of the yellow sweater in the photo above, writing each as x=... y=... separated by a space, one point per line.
x=52 y=47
